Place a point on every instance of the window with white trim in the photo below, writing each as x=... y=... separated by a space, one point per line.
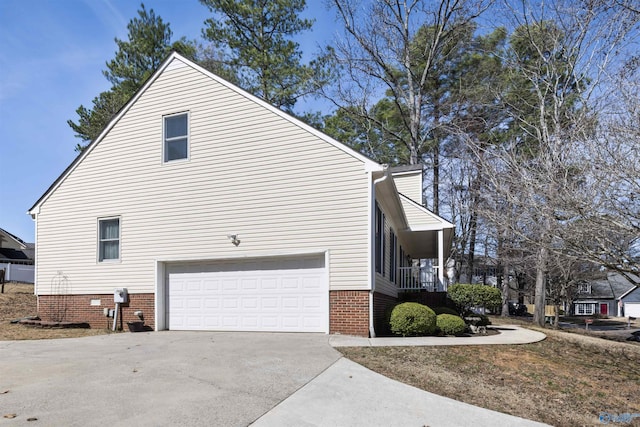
x=585 y=309
x=176 y=137
x=108 y=239
x=584 y=288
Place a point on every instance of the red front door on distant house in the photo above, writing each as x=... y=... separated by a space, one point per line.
x=604 y=309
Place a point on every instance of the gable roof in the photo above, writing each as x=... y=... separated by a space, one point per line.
x=399 y=170
x=13 y=254
x=614 y=286
x=369 y=165
x=11 y=237
x=423 y=227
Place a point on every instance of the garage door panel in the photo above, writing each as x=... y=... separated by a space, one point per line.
x=269 y=321
x=290 y=283
x=309 y=303
x=269 y=303
x=211 y=322
x=193 y=285
x=211 y=297
x=268 y=284
x=249 y=284
x=211 y=302
x=250 y=303
x=211 y=285
x=632 y=309
x=311 y=283
x=230 y=303
x=230 y=285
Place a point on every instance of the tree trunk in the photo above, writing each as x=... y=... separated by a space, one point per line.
x=540 y=291
x=436 y=179
x=556 y=319
x=505 y=289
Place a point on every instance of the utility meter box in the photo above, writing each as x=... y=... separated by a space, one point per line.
x=120 y=295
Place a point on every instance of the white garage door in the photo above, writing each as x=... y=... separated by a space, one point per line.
x=276 y=295
x=632 y=309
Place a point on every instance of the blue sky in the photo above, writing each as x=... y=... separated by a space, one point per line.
x=52 y=53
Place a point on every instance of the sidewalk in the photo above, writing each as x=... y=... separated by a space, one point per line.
x=508 y=334
x=348 y=394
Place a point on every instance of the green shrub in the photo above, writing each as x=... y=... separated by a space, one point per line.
x=467 y=296
x=445 y=310
x=450 y=324
x=412 y=319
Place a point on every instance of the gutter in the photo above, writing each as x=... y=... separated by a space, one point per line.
x=372 y=239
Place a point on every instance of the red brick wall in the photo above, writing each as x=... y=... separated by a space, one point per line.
x=349 y=313
x=381 y=303
x=78 y=308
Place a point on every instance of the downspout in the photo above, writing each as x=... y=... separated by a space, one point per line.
x=34 y=217
x=372 y=239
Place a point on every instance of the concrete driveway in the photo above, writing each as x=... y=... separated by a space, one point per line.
x=153 y=379
x=214 y=379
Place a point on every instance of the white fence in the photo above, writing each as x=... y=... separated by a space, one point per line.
x=18 y=272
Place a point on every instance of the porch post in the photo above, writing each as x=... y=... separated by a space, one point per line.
x=441 y=257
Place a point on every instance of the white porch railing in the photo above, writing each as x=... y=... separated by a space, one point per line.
x=418 y=278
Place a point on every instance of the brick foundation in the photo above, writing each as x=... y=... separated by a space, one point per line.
x=382 y=305
x=349 y=313
x=78 y=308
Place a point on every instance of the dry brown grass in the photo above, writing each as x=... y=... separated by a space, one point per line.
x=17 y=302
x=565 y=380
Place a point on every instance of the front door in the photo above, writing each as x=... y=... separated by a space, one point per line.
x=604 y=309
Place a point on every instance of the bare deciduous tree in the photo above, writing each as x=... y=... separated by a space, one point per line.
x=559 y=58
x=390 y=48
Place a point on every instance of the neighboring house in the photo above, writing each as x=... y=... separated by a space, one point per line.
x=16 y=258
x=15 y=250
x=603 y=296
x=631 y=303
x=218 y=211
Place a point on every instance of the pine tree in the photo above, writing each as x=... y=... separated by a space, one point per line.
x=148 y=44
x=257 y=37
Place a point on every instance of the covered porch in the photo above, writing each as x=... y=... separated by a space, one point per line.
x=429 y=250
x=419 y=243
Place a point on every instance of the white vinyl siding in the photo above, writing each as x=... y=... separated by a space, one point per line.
x=417 y=217
x=250 y=172
x=409 y=184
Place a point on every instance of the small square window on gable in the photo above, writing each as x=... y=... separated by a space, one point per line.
x=176 y=137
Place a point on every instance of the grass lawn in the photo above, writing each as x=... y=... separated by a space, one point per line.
x=565 y=380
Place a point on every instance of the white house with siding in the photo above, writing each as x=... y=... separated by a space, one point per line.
x=217 y=211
